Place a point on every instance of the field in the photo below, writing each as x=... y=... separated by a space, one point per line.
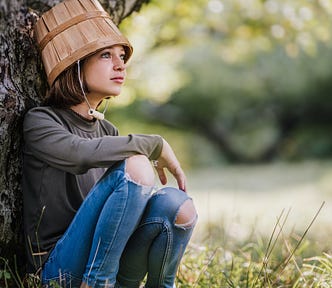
x=243 y=198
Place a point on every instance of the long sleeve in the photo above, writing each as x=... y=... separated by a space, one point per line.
x=49 y=139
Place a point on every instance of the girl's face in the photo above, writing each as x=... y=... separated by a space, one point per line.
x=104 y=72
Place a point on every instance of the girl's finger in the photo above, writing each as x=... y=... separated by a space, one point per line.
x=162 y=175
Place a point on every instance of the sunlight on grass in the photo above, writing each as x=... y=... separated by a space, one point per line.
x=247 y=198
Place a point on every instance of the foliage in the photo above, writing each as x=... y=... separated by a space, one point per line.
x=241 y=28
x=260 y=109
x=164 y=31
x=251 y=76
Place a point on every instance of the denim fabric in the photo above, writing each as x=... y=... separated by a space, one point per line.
x=120 y=219
x=158 y=244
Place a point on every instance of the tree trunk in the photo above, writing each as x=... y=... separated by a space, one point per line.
x=23 y=85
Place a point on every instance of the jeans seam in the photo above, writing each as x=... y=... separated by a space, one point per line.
x=120 y=222
x=112 y=243
x=166 y=225
x=121 y=175
x=167 y=252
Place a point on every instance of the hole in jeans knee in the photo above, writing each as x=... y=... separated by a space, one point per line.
x=187 y=214
x=139 y=170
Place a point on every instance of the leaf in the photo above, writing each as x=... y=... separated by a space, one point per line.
x=4 y=274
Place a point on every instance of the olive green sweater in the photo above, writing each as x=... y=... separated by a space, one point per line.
x=64 y=156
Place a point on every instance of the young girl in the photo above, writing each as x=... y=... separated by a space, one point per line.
x=90 y=217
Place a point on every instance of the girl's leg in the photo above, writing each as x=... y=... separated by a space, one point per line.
x=111 y=236
x=93 y=243
x=158 y=244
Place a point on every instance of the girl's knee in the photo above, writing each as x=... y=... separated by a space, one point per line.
x=177 y=206
x=187 y=215
x=140 y=170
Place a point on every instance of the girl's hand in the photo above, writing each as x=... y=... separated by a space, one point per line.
x=168 y=160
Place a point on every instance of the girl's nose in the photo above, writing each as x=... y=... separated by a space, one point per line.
x=118 y=64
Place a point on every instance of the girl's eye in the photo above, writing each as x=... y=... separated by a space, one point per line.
x=106 y=55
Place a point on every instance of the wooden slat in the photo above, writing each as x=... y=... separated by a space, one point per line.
x=50 y=57
x=103 y=27
x=114 y=27
x=91 y=32
x=62 y=46
x=50 y=20
x=74 y=42
x=89 y=5
x=74 y=8
x=97 y=5
x=40 y=30
x=61 y=13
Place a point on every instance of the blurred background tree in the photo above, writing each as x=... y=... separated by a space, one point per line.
x=243 y=81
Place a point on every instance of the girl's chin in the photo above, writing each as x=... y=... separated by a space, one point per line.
x=114 y=93
x=111 y=95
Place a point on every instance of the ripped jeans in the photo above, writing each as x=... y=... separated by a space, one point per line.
x=120 y=234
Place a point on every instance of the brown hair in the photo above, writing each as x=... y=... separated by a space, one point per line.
x=66 y=90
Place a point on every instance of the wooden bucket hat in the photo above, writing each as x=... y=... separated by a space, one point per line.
x=72 y=30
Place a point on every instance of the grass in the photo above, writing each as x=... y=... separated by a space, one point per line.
x=259 y=226
x=247 y=267
x=277 y=261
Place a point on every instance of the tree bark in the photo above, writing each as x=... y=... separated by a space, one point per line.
x=23 y=85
